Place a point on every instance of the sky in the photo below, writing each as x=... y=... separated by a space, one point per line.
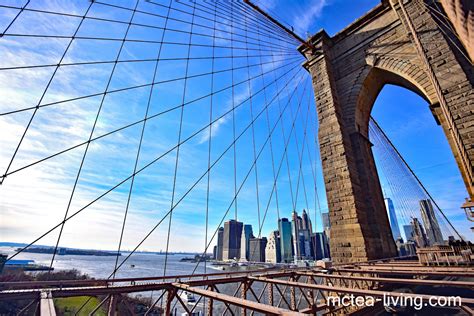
x=35 y=199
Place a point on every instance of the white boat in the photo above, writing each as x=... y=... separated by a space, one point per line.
x=188 y=298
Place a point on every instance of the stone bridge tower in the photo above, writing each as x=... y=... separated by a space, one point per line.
x=401 y=42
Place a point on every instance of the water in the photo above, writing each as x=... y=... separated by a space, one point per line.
x=145 y=264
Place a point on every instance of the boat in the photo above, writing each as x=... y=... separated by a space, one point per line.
x=132 y=266
x=188 y=298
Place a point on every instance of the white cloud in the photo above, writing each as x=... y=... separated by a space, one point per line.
x=306 y=16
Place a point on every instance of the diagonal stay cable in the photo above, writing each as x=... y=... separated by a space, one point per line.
x=253 y=137
x=233 y=119
x=205 y=26
x=141 y=140
x=20 y=11
x=103 y=62
x=209 y=151
x=300 y=159
x=135 y=123
x=317 y=205
x=76 y=181
x=268 y=127
x=271 y=31
x=144 y=85
x=106 y=20
x=178 y=145
x=236 y=25
x=261 y=23
x=127 y=178
x=115 y=39
x=36 y=108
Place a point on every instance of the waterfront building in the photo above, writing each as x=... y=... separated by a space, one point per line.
x=418 y=233
x=306 y=222
x=298 y=239
x=433 y=232
x=214 y=252
x=220 y=244
x=405 y=249
x=247 y=233
x=306 y=230
x=408 y=230
x=232 y=238
x=392 y=218
x=284 y=228
x=273 y=249
x=257 y=249
x=326 y=224
x=321 y=245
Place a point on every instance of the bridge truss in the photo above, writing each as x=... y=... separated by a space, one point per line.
x=271 y=292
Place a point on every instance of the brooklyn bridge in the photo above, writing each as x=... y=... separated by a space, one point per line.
x=203 y=157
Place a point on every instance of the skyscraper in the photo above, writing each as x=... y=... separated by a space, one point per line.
x=257 y=249
x=306 y=230
x=220 y=244
x=419 y=236
x=273 y=249
x=298 y=239
x=392 y=217
x=326 y=224
x=405 y=249
x=306 y=222
x=232 y=238
x=321 y=244
x=432 y=229
x=286 y=247
x=408 y=229
x=214 y=252
x=247 y=233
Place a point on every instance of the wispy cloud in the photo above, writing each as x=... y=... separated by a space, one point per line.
x=307 y=15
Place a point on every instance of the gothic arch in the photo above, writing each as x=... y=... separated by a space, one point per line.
x=384 y=71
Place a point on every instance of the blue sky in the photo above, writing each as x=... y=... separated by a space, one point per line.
x=35 y=199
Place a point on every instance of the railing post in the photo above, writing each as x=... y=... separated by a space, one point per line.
x=270 y=294
x=292 y=295
x=243 y=291
x=171 y=293
x=210 y=303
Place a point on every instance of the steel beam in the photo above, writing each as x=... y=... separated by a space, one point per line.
x=393 y=280
x=410 y=272
x=239 y=302
x=374 y=293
